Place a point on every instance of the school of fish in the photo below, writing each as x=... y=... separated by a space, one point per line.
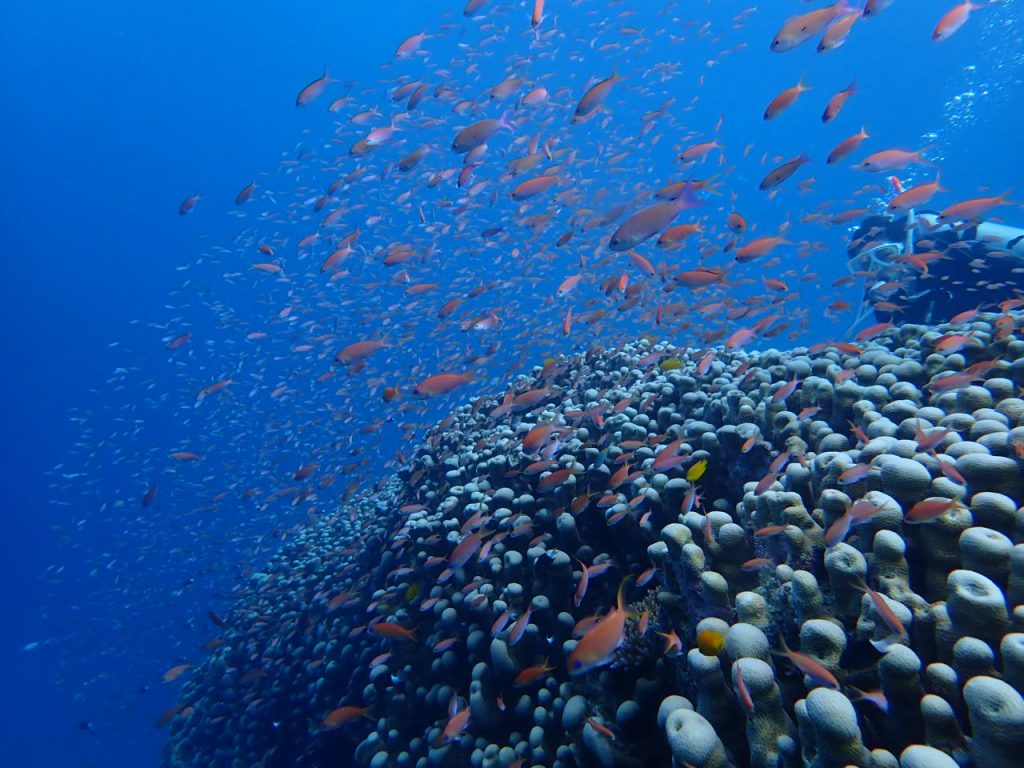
x=474 y=214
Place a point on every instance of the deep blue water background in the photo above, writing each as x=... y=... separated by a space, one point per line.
x=115 y=112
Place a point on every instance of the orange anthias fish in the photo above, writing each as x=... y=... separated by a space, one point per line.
x=567 y=285
x=741 y=687
x=312 y=92
x=179 y=341
x=342 y=715
x=700 y=277
x=410 y=45
x=739 y=338
x=892 y=160
x=760 y=247
x=836 y=35
x=441 y=383
x=537 y=16
x=836 y=103
x=915 y=197
x=530 y=675
x=246 y=193
x=800 y=29
x=174 y=673
x=360 y=350
x=875 y=7
x=456 y=725
x=211 y=389
x=533 y=187
x=952 y=20
x=846 y=146
x=785 y=390
x=188 y=204
x=973 y=209
x=778 y=175
x=810 y=667
x=393 y=631
x=478 y=134
x=886 y=612
x=597 y=648
x=785 y=100
x=466 y=549
x=651 y=220
x=931 y=509
x=698 y=151
x=594 y=97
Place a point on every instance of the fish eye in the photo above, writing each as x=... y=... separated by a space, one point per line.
x=577 y=664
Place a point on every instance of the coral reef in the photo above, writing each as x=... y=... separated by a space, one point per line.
x=818 y=551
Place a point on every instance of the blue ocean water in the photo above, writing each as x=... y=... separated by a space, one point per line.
x=116 y=113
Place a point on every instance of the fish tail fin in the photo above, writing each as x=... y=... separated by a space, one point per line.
x=620 y=604
x=688 y=196
x=506 y=121
x=785 y=648
x=711 y=185
x=851 y=89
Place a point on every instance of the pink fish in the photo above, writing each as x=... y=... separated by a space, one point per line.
x=931 y=509
x=892 y=160
x=838 y=530
x=594 y=97
x=581 y=588
x=952 y=20
x=519 y=628
x=312 y=92
x=799 y=29
x=875 y=7
x=854 y=474
x=741 y=687
x=785 y=390
x=479 y=133
x=598 y=646
x=188 y=204
x=809 y=667
x=649 y=221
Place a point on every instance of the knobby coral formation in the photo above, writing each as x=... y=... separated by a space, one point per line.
x=818 y=553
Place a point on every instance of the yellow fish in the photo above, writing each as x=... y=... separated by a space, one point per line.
x=672 y=364
x=710 y=642
x=697 y=470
